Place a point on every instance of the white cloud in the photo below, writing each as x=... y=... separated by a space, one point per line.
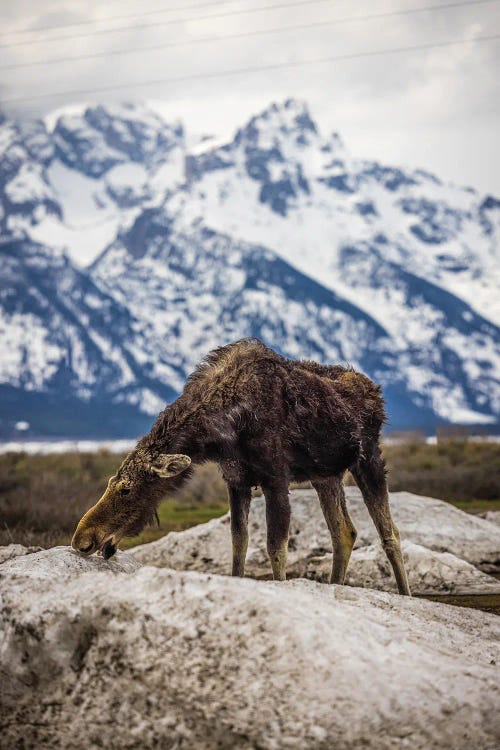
x=437 y=108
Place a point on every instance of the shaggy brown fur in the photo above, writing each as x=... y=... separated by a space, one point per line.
x=266 y=420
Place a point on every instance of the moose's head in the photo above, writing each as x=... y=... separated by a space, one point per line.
x=129 y=502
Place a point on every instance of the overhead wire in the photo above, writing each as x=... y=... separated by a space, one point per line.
x=172 y=21
x=240 y=35
x=245 y=71
x=121 y=17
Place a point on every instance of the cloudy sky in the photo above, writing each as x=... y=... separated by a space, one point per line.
x=437 y=107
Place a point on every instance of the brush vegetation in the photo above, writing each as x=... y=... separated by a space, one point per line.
x=42 y=498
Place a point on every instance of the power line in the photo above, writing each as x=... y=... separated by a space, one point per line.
x=245 y=71
x=137 y=14
x=172 y=21
x=244 y=34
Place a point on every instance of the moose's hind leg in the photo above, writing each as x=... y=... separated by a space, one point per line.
x=332 y=500
x=370 y=477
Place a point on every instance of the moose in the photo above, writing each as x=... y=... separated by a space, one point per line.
x=266 y=420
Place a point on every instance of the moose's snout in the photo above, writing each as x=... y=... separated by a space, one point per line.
x=91 y=537
x=84 y=545
x=84 y=540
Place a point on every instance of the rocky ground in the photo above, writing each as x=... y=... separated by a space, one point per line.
x=93 y=656
x=122 y=654
x=445 y=549
x=493 y=516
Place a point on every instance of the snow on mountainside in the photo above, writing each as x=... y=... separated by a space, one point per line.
x=72 y=186
x=419 y=257
x=62 y=335
x=192 y=289
x=282 y=184
x=278 y=233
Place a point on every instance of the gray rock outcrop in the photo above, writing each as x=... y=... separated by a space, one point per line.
x=443 y=546
x=10 y=551
x=161 y=658
x=429 y=572
x=61 y=563
x=493 y=516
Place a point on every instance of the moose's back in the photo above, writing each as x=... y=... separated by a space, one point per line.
x=331 y=412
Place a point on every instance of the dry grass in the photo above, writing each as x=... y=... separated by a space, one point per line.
x=454 y=470
x=42 y=498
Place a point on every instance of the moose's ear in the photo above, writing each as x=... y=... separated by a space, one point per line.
x=169 y=466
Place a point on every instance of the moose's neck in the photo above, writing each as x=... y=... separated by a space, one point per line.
x=178 y=430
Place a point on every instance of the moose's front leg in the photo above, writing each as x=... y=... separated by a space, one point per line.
x=278 y=525
x=239 y=502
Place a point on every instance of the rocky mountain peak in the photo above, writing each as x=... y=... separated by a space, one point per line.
x=278 y=233
x=101 y=137
x=288 y=122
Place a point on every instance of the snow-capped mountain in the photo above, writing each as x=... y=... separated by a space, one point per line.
x=73 y=184
x=127 y=253
x=65 y=342
x=320 y=199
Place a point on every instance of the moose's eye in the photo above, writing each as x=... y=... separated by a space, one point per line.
x=124 y=490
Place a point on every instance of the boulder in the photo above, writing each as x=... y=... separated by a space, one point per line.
x=435 y=524
x=493 y=516
x=63 y=563
x=162 y=658
x=429 y=572
x=426 y=522
x=15 y=550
